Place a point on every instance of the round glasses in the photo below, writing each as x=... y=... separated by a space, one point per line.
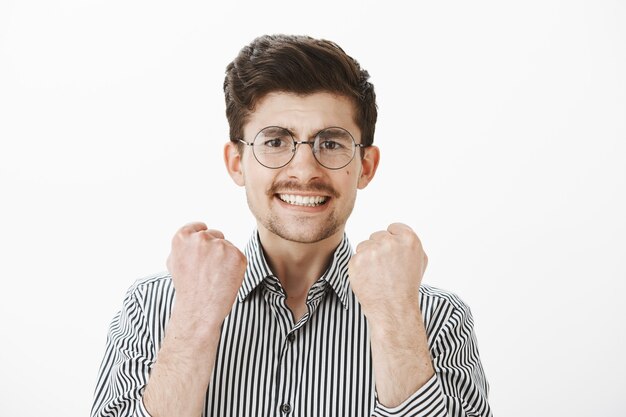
x=274 y=147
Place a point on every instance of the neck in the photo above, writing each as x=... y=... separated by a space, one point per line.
x=298 y=265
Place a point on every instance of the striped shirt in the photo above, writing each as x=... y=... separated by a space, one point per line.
x=269 y=365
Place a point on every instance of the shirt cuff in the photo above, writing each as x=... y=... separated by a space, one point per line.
x=428 y=401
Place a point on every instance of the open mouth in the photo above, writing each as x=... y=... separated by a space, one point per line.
x=303 y=200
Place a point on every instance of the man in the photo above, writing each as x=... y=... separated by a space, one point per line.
x=298 y=326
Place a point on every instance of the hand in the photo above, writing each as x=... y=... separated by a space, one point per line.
x=386 y=272
x=207 y=271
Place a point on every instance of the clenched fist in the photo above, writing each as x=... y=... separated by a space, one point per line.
x=207 y=271
x=386 y=272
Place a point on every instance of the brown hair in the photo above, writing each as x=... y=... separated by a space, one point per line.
x=300 y=65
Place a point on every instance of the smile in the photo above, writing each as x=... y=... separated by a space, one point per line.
x=299 y=200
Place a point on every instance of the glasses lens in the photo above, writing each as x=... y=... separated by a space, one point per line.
x=273 y=147
x=334 y=148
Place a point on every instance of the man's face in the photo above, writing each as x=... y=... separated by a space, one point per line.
x=302 y=201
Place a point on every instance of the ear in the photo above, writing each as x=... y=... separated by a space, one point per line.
x=369 y=164
x=232 y=160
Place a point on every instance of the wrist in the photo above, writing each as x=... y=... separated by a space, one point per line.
x=397 y=313
x=193 y=329
x=396 y=328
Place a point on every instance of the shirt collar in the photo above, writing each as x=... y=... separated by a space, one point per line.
x=257 y=269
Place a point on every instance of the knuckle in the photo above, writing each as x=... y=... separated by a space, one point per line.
x=214 y=233
x=202 y=236
x=411 y=238
x=357 y=260
x=178 y=238
x=187 y=229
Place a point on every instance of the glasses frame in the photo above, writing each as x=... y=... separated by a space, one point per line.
x=302 y=142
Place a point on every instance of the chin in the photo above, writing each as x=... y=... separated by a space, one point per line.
x=302 y=233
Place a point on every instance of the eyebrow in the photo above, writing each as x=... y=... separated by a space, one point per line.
x=290 y=129
x=275 y=129
x=337 y=132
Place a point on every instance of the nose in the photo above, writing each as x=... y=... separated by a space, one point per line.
x=304 y=166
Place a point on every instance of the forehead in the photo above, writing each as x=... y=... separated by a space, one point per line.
x=304 y=115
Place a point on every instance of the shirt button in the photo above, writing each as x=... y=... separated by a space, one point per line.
x=291 y=337
x=285 y=408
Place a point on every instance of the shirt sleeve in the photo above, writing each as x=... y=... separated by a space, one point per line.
x=125 y=368
x=459 y=387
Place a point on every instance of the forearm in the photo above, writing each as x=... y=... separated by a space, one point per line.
x=181 y=374
x=400 y=355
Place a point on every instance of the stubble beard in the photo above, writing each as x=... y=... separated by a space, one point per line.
x=302 y=229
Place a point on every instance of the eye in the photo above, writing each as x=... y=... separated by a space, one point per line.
x=275 y=143
x=334 y=141
x=330 y=145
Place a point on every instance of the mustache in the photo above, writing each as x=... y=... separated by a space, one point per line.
x=308 y=187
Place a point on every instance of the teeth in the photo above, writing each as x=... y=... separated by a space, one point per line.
x=298 y=200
